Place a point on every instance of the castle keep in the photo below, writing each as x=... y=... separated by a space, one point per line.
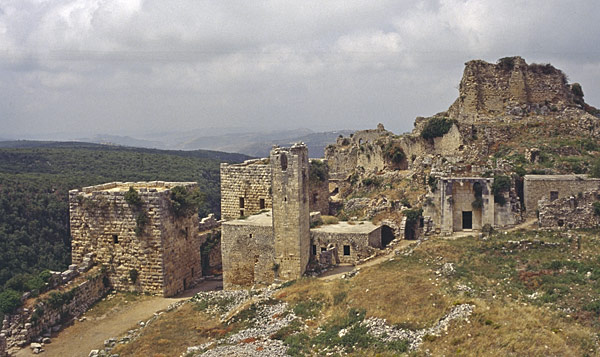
x=277 y=244
x=134 y=231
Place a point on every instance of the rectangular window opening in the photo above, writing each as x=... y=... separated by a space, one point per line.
x=553 y=195
x=261 y=203
x=346 y=250
x=115 y=238
x=241 y=202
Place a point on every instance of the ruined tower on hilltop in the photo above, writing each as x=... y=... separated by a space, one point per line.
x=291 y=216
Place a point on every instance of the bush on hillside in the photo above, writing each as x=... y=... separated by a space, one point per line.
x=437 y=127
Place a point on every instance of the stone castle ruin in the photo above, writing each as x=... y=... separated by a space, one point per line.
x=134 y=231
x=277 y=244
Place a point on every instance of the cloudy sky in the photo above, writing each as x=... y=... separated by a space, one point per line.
x=83 y=67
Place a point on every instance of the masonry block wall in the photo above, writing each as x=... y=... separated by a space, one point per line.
x=291 y=216
x=248 y=253
x=245 y=188
x=570 y=212
x=22 y=327
x=162 y=257
x=553 y=187
x=351 y=246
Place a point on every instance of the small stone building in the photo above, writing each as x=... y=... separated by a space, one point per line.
x=145 y=245
x=554 y=187
x=353 y=241
x=465 y=204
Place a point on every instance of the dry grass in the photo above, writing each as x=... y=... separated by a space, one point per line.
x=402 y=291
x=171 y=334
x=512 y=329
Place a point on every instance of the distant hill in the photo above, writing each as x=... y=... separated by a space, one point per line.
x=257 y=144
x=35 y=178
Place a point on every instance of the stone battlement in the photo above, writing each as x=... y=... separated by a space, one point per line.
x=151 y=186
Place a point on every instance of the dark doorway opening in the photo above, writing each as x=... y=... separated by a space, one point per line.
x=387 y=235
x=467 y=220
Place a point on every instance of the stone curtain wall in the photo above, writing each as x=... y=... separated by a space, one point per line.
x=248 y=255
x=536 y=187
x=250 y=180
x=102 y=222
x=182 y=265
x=27 y=325
x=570 y=212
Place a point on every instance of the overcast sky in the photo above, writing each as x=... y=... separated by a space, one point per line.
x=83 y=67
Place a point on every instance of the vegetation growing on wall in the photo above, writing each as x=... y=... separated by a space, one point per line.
x=499 y=187
x=318 y=172
x=394 y=154
x=437 y=127
x=185 y=201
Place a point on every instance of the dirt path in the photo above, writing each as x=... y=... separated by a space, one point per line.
x=80 y=338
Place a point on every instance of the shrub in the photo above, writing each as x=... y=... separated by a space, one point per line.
x=436 y=127
x=9 y=301
x=318 y=171
x=133 y=197
x=412 y=216
x=432 y=182
x=506 y=63
x=596 y=206
x=185 y=202
x=140 y=223
x=371 y=181
x=394 y=154
x=577 y=90
x=595 y=170
x=501 y=184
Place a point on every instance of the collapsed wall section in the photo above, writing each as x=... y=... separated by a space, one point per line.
x=554 y=187
x=579 y=211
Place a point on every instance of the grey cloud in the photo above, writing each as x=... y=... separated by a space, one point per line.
x=124 y=67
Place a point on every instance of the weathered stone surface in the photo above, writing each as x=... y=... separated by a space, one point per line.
x=163 y=257
x=570 y=212
x=47 y=317
x=552 y=187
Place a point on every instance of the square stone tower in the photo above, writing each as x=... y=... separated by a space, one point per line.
x=291 y=215
x=135 y=232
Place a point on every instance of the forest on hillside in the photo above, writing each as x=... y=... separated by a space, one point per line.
x=35 y=179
